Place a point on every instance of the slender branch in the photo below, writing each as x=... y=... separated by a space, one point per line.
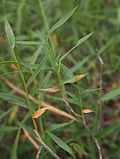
x=38 y=153
x=45 y=146
x=100 y=86
x=41 y=103
x=30 y=138
x=25 y=87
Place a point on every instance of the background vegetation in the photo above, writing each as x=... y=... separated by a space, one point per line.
x=84 y=84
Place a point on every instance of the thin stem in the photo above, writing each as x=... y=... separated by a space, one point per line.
x=49 y=41
x=88 y=129
x=24 y=84
x=45 y=146
x=50 y=45
x=101 y=72
x=81 y=109
x=44 y=15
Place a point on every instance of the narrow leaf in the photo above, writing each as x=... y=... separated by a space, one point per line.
x=118 y=16
x=83 y=39
x=78 y=43
x=75 y=78
x=7 y=128
x=37 y=71
x=7 y=62
x=106 y=46
x=58 y=126
x=60 y=143
x=35 y=55
x=29 y=43
x=14 y=99
x=15 y=145
x=62 y=20
x=111 y=95
x=86 y=111
x=78 y=148
x=10 y=35
x=79 y=65
x=13 y=114
x=50 y=90
x=107 y=130
x=46 y=79
x=39 y=112
x=3 y=114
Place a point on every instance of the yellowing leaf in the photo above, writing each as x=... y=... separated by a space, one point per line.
x=39 y=112
x=54 y=39
x=79 y=77
x=50 y=90
x=87 y=111
x=75 y=78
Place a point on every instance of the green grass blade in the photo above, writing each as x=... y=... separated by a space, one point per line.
x=10 y=35
x=35 y=55
x=20 y=16
x=15 y=145
x=62 y=21
x=7 y=62
x=3 y=114
x=106 y=46
x=46 y=80
x=60 y=143
x=37 y=71
x=111 y=95
x=78 y=65
x=43 y=12
x=4 y=128
x=30 y=43
x=58 y=126
x=78 y=43
x=109 y=129
x=78 y=148
x=66 y=70
x=14 y=99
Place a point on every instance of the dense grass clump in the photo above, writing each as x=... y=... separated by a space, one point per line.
x=59 y=79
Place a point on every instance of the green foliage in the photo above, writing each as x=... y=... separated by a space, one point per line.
x=78 y=148
x=78 y=43
x=7 y=128
x=109 y=129
x=10 y=35
x=12 y=98
x=15 y=145
x=37 y=71
x=62 y=21
x=38 y=53
x=111 y=95
x=60 y=143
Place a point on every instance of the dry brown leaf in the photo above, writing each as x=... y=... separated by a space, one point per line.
x=86 y=111
x=57 y=111
x=79 y=77
x=50 y=90
x=39 y=112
